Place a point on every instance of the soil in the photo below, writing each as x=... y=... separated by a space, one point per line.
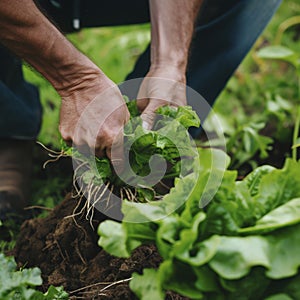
x=67 y=254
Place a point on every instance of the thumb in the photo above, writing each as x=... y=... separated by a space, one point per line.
x=148 y=116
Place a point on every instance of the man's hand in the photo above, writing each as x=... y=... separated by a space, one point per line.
x=92 y=118
x=93 y=111
x=161 y=86
x=172 y=26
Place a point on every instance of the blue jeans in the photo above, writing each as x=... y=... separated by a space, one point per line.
x=20 y=108
x=225 y=32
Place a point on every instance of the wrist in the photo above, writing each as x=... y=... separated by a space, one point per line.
x=86 y=79
x=68 y=76
x=169 y=58
x=66 y=68
x=63 y=65
x=168 y=71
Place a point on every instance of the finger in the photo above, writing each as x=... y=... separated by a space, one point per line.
x=142 y=104
x=66 y=136
x=149 y=114
x=118 y=159
x=81 y=142
x=116 y=154
x=142 y=96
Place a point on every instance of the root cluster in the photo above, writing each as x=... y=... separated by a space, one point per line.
x=96 y=192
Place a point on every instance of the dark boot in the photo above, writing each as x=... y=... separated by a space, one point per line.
x=15 y=173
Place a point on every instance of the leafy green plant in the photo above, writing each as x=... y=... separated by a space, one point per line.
x=20 y=284
x=255 y=93
x=279 y=111
x=167 y=146
x=234 y=248
x=283 y=53
x=244 y=140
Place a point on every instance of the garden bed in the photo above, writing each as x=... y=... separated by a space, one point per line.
x=67 y=254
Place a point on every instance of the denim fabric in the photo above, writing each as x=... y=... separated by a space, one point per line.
x=20 y=108
x=225 y=32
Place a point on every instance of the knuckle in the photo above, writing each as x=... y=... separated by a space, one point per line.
x=148 y=116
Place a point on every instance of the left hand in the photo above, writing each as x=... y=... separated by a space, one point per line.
x=163 y=85
x=93 y=114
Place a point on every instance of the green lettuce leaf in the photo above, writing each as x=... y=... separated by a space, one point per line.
x=285 y=215
x=147 y=286
x=219 y=237
x=278 y=187
x=277 y=252
x=180 y=278
x=120 y=239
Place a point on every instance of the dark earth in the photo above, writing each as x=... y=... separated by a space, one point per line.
x=67 y=254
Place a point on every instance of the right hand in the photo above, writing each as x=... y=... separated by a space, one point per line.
x=162 y=86
x=93 y=114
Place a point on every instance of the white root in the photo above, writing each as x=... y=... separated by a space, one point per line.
x=48 y=149
x=121 y=194
x=109 y=196
x=88 y=198
x=53 y=160
x=164 y=185
x=127 y=194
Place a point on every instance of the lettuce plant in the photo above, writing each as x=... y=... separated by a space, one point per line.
x=244 y=244
x=21 y=284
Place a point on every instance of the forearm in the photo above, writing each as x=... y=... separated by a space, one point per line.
x=172 y=26
x=25 y=31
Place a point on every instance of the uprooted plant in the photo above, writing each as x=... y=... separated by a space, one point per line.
x=153 y=159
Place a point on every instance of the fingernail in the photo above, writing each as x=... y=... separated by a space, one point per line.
x=146 y=125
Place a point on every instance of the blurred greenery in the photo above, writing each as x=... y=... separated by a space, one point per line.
x=264 y=90
x=254 y=77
